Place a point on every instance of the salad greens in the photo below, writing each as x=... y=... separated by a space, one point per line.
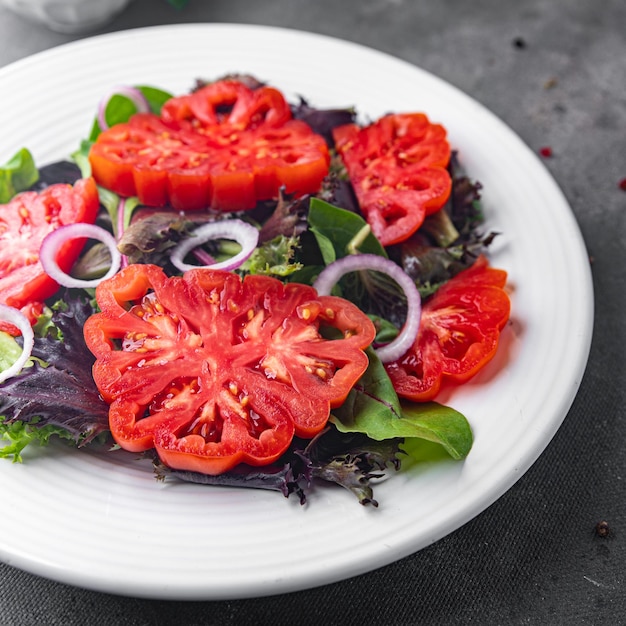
x=56 y=395
x=18 y=174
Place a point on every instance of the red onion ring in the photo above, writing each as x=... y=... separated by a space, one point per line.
x=246 y=235
x=17 y=318
x=132 y=93
x=355 y=262
x=53 y=242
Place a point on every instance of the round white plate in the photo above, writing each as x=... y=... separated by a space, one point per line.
x=104 y=523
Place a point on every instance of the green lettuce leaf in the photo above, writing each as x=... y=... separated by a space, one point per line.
x=18 y=174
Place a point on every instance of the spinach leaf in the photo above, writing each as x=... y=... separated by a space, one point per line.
x=372 y=402
x=373 y=408
x=120 y=108
x=18 y=174
x=330 y=223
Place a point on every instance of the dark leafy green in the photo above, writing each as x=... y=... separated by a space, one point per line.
x=322 y=121
x=59 y=172
x=152 y=235
x=350 y=460
x=57 y=393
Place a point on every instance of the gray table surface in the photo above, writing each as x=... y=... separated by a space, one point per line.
x=555 y=72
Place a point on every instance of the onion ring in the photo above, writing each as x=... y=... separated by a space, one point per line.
x=246 y=235
x=355 y=262
x=17 y=318
x=53 y=242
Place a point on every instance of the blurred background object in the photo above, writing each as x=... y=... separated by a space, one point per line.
x=68 y=16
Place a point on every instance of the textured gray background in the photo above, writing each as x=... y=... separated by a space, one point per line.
x=533 y=557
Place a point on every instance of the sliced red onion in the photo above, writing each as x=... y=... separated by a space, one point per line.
x=356 y=262
x=52 y=244
x=246 y=235
x=132 y=93
x=17 y=318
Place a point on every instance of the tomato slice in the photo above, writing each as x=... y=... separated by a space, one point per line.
x=224 y=147
x=228 y=103
x=212 y=370
x=397 y=166
x=459 y=333
x=24 y=223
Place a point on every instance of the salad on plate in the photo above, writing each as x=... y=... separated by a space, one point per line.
x=245 y=290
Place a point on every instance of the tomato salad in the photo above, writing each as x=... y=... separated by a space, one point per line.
x=245 y=290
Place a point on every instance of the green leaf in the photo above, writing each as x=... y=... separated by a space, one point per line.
x=120 y=108
x=18 y=435
x=373 y=408
x=371 y=405
x=435 y=422
x=18 y=174
x=10 y=351
x=340 y=227
x=156 y=97
x=326 y=246
x=274 y=258
x=81 y=157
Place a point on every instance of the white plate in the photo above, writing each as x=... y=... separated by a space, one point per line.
x=95 y=522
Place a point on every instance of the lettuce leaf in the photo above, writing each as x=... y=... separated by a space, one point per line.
x=18 y=174
x=57 y=394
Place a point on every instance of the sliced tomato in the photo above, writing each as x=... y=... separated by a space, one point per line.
x=397 y=166
x=224 y=147
x=459 y=333
x=24 y=223
x=228 y=103
x=212 y=370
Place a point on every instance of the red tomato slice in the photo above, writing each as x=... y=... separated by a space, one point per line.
x=397 y=166
x=228 y=103
x=213 y=371
x=459 y=333
x=225 y=147
x=24 y=223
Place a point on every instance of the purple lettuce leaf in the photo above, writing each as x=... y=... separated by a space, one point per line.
x=58 y=389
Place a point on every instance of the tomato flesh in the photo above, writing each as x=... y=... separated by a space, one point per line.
x=224 y=147
x=397 y=166
x=212 y=370
x=24 y=223
x=459 y=333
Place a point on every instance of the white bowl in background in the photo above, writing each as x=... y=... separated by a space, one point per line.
x=68 y=16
